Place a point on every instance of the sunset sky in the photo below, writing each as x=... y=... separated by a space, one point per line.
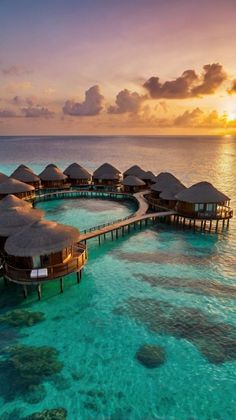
x=117 y=67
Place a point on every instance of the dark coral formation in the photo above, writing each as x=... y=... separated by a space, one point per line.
x=53 y=414
x=202 y=287
x=215 y=340
x=25 y=368
x=21 y=318
x=151 y=356
x=162 y=257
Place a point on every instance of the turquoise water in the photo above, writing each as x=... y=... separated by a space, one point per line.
x=159 y=286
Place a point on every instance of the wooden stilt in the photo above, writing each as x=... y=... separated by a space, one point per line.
x=61 y=285
x=25 y=291
x=201 y=224
x=217 y=222
x=210 y=225
x=99 y=240
x=123 y=230
x=112 y=235
x=78 y=276
x=39 y=291
x=117 y=234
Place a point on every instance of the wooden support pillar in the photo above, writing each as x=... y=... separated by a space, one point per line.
x=194 y=225
x=78 y=276
x=140 y=224
x=61 y=285
x=146 y=222
x=112 y=235
x=128 y=228
x=210 y=225
x=25 y=291
x=99 y=240
x=201 y=224
x=104 y=236
x=223 y=223
x=227 y=223
x=39 y=291
x=123 y=230
x=204 y=225
x=117 y=234
x=217 y=222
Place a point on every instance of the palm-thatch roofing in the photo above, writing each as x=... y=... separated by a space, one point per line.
x=136 y=171
x=149 y=176
x=106 y=171
x=3 y=177
x=10 y=201
x=13 y=186
x=202 y=192
x=40 y=238
x=52 y=173
x=76 y=171
x=166 y=181
x=133 y=181
x=170 y=194
x=14 y=219
x=24 y=174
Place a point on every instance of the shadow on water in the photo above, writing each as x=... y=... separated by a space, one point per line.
x=215 y=340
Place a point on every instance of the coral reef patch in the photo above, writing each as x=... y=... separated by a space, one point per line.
x=215 y=340
x=151 y=356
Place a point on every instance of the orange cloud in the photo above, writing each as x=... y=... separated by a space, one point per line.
x=127 y=101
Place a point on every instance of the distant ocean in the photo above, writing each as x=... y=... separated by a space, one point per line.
x=159 y=286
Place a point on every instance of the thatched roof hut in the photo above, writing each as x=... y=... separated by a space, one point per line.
x=107 y=174
x=41 y=238
x=202 y=192
x=52 y=173
x=25 y=174
x=3 y=177
x=10 y=201
x=107 y=170
x=135 y=170
x=18 y=188
x=52 y=177
x=133 y=181
x=166 y=181
x=76 y=172
x=14 y=219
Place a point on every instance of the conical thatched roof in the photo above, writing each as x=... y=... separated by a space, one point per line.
x=149 y=176
x=40 y=238
x=3 y=177
x=166 y=181
x=13 y=186
x=171 y=193
x=14 y=219
x=135 y=170
x=24 y=174
x=76 y=171
x=133 y=181
x=52 y=173
x=107 y=171
x=23 y=167
x=10 y=201
x=202 y=192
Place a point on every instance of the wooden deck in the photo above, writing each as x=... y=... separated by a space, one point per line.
x=73 y=265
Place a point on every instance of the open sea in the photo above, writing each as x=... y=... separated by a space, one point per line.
x=160 y=286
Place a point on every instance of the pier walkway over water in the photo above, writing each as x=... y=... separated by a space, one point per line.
x=138 y=218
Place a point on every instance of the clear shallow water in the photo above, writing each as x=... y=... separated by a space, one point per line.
x=97 y=326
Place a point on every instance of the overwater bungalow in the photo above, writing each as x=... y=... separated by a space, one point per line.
x=77 y=175
x=203 y=201
x=44 y=251
x=53 y=178
x=14 y=219
x=132 y=184
x=18 y=188
x=147 y=176
x=25 y=174
x=11 y=201
x=3 y=177
x=165 y=181
x=107 y=175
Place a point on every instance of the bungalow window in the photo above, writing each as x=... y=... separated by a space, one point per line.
x=199 y=207
x=210 y=207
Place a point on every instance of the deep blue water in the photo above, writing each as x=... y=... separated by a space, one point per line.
x=159 y=286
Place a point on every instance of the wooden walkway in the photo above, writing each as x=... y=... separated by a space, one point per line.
x=134 y=220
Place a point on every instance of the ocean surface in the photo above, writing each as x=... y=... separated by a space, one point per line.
x=160 y=286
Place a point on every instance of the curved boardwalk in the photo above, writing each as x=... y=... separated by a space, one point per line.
x=136 y=218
